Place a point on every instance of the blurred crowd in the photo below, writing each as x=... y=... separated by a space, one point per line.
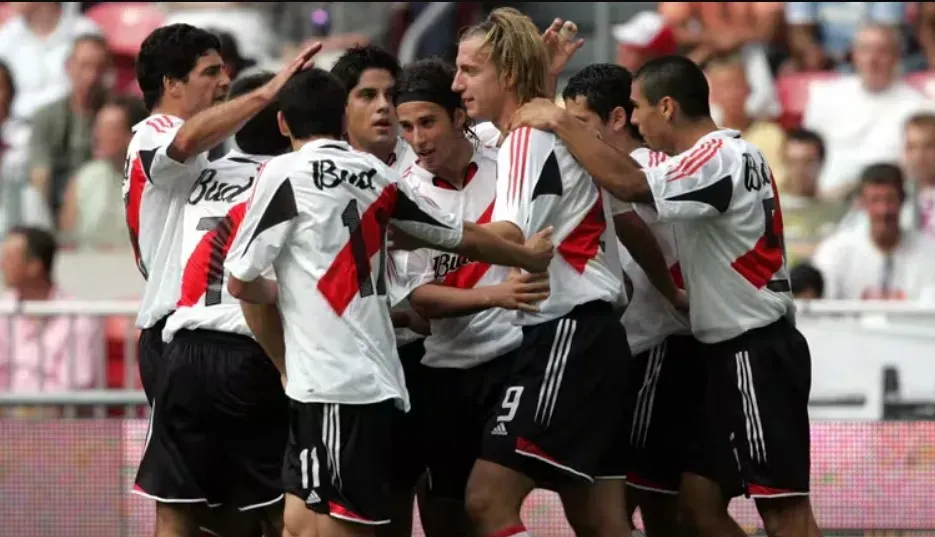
x=836 y=95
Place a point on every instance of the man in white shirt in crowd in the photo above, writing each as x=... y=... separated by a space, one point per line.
x=562 y=418
x=885 y=261
x=751 y=434
x=318 y=217
x=861 y=117
x=472 y=344
x=666 y=361
x=919 y=158
x=181 y=74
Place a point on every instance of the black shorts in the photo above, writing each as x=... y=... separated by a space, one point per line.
x=339 y=459
x=662 y=381
x=150 y=349
x=408 y=450
x=562 y=417
x=455 y=407
x=218 y=425
x=753 y=434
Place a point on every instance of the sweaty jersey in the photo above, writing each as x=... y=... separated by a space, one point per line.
x=721 y=196
x=318 y=216
x=539 y=184
x=650 y=318
x=155 y=188
x=468 y=340
x=213 y=212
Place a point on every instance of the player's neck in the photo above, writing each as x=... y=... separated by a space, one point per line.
x=381 y=150
x=624 y=143
x=171 y=109
x=688 y=134
x=456 y=168
x=300 y=143
x=510 y=106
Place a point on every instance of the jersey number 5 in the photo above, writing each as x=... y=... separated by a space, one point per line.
x=350 y=217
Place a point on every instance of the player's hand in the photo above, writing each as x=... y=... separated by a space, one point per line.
x=538 y=113
x=303 y=61
x=541 y=250
x=559 y=39
x=521 y=291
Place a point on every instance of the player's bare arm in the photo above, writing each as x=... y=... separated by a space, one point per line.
x=265 y=321
x=216 y=124
x=612 y=169
x=258 y=291
x=638 y=239
x=521 y=291
x=480 y=244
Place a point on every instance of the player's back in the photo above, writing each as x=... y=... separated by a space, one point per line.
x=540 y=184
x=723 y=199
x=154 y=191
x=213 y=211
x=331 y=272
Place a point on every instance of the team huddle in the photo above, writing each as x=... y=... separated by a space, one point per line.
x=434 y=284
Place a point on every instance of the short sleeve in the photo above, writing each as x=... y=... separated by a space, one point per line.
x=697 y=184
x=266 y=228
x=163 y=170
x=420 y=217
x=527 y=170
x=801 y=12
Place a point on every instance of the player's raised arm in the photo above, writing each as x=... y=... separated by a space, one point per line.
x=216 y=124
x=266 y=228
x=417 y=216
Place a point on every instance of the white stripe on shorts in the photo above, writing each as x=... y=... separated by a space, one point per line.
x=645 y=398
x=555 y=370
x=751 y=410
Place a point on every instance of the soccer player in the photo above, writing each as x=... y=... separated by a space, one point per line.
x=471 y=348
x=752 y=433
x=561 y=419
x=231 y=450
x=369 y=74
x=182 y=78
x=318 y=217
x=667 y=362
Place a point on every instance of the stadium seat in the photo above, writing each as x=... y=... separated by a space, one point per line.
x=923 y=81
x=126 y=24
x=793 y=94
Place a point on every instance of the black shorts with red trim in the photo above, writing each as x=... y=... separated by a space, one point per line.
x=218 y=425
x=339 y=459
x=752 y=431
x=662 y=380
x=562 y=416
x=150 y=349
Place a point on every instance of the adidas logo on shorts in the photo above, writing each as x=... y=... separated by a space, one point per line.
x=499 y=430
x=313 y=498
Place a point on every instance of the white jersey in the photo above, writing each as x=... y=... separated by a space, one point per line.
x=318 y=216
x=400 y=159
x=723 y=200
x=650 y=317
x=213 y=212
x=468 y=340
x=487 y=134
x=539 y=184
x=155 y=188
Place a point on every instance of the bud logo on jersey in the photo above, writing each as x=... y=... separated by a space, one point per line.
x=444 y=263
x=327 y=175
x=207 y=188
x=756 y=175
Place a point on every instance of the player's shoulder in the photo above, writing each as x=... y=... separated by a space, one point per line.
x=235 y=162
x=487 y=133
x=154 y=129
x=485 y=155
x=528 y=141
x=647 y=158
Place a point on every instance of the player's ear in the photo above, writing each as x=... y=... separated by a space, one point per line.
x=667 y=108
x=283 y=128
x=618 y=119
x=460 y=118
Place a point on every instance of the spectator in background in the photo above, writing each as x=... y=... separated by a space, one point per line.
x=61 y=134
x=247 y=22
x=821 y=34
x=861 y=117
x=19 y=202
x=807 y=219
x=43 y=353
x=885 y=261
x=35 y=44
x=919 y=158
x=708 y=29
x=807 y=283
x=645 y=36
x=727 y=81
x=92 y=214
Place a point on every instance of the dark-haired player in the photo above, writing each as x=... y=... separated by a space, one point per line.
x=752 y=432
x=181 y=74
x=318 y=217
x=470 y=350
